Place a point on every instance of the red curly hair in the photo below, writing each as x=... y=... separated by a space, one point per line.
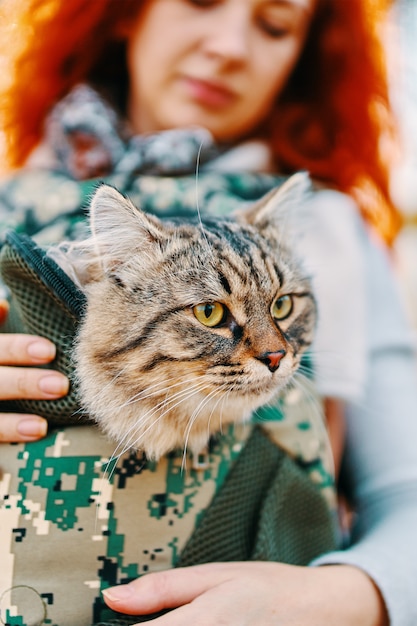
x=330 y=120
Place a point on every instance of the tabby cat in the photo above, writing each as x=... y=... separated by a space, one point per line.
x=189 y=326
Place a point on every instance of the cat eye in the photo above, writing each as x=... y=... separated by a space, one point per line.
x=282 y=307
x=210 y=314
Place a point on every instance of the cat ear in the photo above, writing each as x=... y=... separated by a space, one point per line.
x=118 y=228
x=281 y=204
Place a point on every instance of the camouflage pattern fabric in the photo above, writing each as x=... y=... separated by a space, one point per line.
x=74 y=520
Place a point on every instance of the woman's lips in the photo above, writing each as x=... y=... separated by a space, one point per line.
x=208 y=93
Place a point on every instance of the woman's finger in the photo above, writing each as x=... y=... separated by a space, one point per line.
x=207 y=595
x=19 y=349
x=20 y=428
x=31 y=383
x=253 y=594
x=168 y=589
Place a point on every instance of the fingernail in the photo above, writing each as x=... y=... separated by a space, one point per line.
x=54 y=384
x=42 y=350
x=117 y=594
x=33 y=427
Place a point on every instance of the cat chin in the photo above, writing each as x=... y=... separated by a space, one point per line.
x=158 y=434
x=161 y=438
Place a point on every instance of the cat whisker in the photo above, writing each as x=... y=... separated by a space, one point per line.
x=223 y=399
x=193 y=417
x=145 y=394
x=318 y=417
x=197 y=166
x=137 y=398
x=154 y=423
x=328 y=369
x=169 y=405
x=302 y=382
x=124 y=444
x=328 y=361
x=157 y=387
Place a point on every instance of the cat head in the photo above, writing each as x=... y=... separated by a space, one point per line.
x=189 y=326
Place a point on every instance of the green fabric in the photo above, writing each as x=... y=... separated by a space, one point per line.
x=266 y=511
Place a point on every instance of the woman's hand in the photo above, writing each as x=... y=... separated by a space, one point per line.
x=254 y=594
x=26 y=382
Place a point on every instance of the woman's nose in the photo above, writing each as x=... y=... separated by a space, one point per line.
x=229 y=36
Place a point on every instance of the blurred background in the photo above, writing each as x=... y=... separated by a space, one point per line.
x=402 y=48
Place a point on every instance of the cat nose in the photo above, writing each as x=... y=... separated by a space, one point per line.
x=272 y=359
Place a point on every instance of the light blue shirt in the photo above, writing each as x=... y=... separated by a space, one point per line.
x=380 y=465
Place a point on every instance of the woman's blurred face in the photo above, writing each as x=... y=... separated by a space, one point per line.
x=219 y=64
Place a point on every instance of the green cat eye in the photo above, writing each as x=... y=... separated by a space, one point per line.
x=210 y=313
x=282 y=307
